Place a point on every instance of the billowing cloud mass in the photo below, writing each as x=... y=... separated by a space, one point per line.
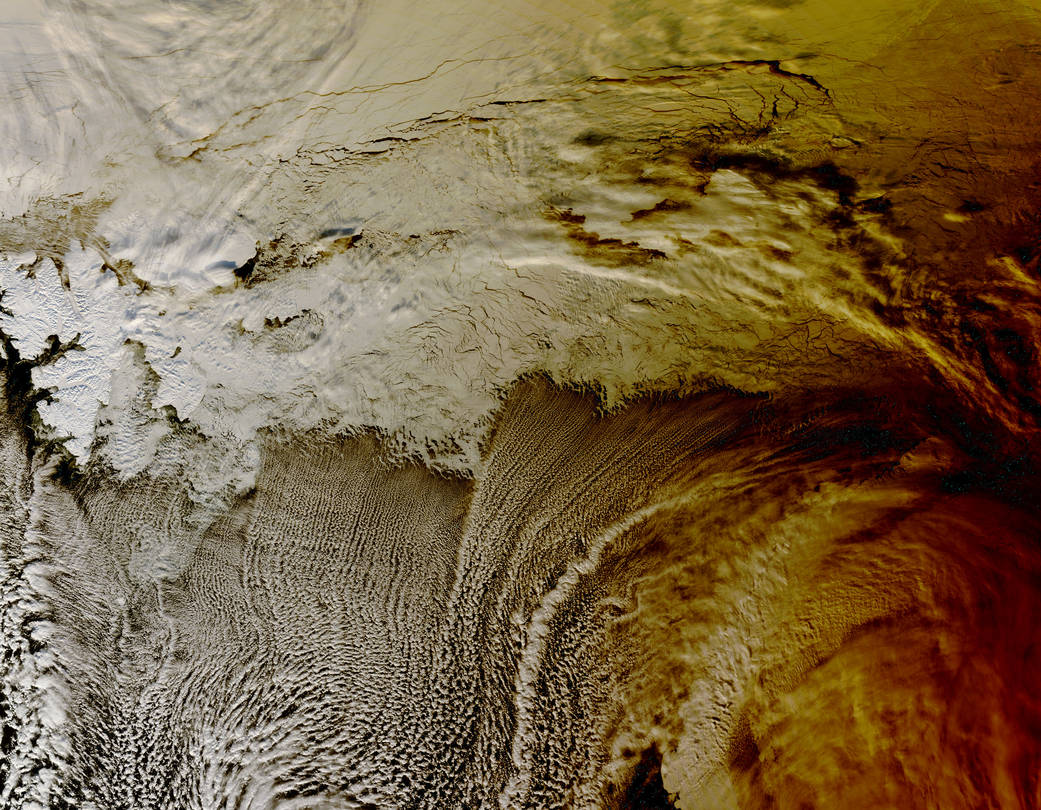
x=588 y=405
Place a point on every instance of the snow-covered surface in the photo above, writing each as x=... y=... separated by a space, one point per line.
x=417 y=335
x=260 y=233
x=195 y=133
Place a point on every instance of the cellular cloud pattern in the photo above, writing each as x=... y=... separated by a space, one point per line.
x=527 y=405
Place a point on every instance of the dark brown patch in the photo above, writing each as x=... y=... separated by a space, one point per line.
x=605 y=252
x=281 y=255
x=664 y=206
x=645 y=790
x=744 y=751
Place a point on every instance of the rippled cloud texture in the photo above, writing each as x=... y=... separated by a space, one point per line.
x=520 y=405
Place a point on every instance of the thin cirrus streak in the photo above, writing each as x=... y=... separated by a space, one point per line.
x=547 y=406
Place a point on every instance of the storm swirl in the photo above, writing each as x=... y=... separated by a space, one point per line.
x=464 y=406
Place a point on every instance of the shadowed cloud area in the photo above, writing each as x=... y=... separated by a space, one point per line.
x=622 y=406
